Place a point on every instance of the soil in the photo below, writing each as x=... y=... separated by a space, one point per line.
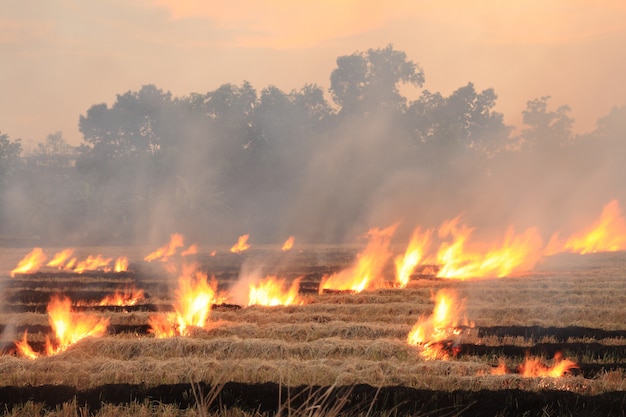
x=402 y=401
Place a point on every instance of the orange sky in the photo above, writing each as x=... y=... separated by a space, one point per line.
x=62 y=57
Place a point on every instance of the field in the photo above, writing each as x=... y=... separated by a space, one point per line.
x=337 y=353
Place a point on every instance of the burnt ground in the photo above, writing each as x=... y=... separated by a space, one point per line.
x=401 y=401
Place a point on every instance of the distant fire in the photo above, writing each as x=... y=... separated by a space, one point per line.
x=194 y=298
x=191 y=250
x=534 y=368
x=413 y=255
x=273 y=291
x=288 y=245
x=241 y=245
x=61 y=258
x=607 y=234
x=64 y=261
x=429 y=334
x=129 y=296
x=516 y=253
x=366 y=272
x=165 y=252
x=121 y=264
x=30 y=263
x=92 y=263
x=68 y=327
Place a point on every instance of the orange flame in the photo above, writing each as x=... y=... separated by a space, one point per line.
x=59 y=259
x=532 y=367
x=165 y=252
x=69 y=328
x=241 y=245
x=194 y=299
x=273 y=292
x=24 y=349
x=129 y=296
x=92 y=263
x=121 y=264
x=517 y=253
x=441 y=326
x=367 y=269
x=607 y=234
x=191 y=250
x=288 y=245
x=30 y=263
x=405 y=264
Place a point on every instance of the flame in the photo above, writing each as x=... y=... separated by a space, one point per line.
x=121 y=264
x=93 y=263
x=241 y=245
x=59 y=259
x=129 y=296
x=273 y=292
x=288 y=244
x=68 y=327
x=607 y=234
x=213 y=253
x=191 y=250
x=194 y=298
x=30 y=263
x=24 y=349
x=165 y=252
x=441 y=326
x=516 y=253
x=405 y=264
x=367 y=269
x=532 y=367
x=501 y=369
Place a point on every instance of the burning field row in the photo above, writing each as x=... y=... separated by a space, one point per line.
x=379 y=315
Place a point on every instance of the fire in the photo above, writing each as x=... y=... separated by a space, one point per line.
x=165 y=252
x=273 y=292
x=368 y=267
x=194 y=298
x=92 y=263
x=241 y=245
x=442 y=326
x=129 y=296
x=191 y=250
x=60 y=258
x=30 y=263
x=405 y=264
x=68 y=327
x=533 y=367
x=607 y=234
x=516 y=253
x=121 y=264
x=288 y=245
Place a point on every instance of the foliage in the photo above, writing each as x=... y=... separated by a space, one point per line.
x=237 y=160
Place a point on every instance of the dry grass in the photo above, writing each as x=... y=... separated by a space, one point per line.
x=337 y=339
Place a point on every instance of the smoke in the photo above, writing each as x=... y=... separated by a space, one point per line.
x=229 y=162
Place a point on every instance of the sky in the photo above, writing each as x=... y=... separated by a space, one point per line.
x=60 y=57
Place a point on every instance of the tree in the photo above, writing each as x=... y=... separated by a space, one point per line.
x=54 y=152
x=459 y=123
x=368 y=81
x=547 y=129
x=9 y=157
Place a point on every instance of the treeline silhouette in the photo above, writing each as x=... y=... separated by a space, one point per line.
x=273 y=163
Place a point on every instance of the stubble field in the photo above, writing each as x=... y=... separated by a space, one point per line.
x=337 y=353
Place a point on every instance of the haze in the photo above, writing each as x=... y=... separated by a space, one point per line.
x=62 y=56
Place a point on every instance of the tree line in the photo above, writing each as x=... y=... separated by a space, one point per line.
x=273 y=163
